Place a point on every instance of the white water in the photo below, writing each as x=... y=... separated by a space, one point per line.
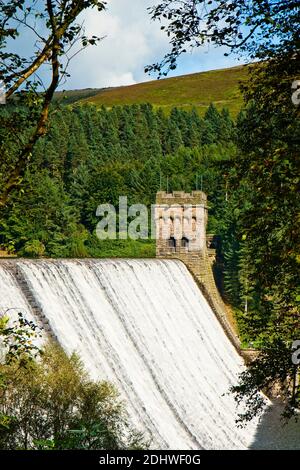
x=12 y=300
x=144 y=325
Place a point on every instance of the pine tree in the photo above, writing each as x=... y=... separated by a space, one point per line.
x=173 y=137
x=227 y=131
x=213 y=118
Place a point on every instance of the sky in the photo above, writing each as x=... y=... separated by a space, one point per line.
x=131 y=42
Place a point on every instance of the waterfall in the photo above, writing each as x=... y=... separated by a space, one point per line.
x=12 y=299
x=145 y=326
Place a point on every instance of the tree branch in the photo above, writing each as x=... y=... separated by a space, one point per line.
x=41 y=128
x=47 y=50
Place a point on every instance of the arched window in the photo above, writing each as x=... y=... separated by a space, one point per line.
x=172 y=243
x=185 y=242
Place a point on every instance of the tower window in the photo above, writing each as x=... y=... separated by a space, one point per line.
x=185 y=242
x=172 y=242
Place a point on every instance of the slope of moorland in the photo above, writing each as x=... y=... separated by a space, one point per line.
x=72 y=96
x=198 y=90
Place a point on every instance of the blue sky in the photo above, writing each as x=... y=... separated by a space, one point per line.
x=131 y=42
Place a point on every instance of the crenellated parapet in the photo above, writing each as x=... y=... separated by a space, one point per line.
x=180 y=197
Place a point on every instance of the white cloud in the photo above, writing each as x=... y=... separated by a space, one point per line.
x=132 y=41
x=122 y=80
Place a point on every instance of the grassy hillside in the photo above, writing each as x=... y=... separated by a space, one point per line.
x=199 y=90
x=72 y=96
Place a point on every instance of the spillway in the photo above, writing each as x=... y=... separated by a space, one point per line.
x=145 y=326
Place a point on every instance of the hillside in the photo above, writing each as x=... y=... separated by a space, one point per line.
x=220 y=87
x=72 y=96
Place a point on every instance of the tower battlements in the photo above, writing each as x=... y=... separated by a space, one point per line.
x=180 y=197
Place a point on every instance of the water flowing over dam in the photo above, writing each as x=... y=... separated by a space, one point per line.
x=145 y=326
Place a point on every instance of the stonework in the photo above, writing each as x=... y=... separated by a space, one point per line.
x=181 y=220
x=189 y=243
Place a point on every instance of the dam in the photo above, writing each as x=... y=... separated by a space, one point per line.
x=156 y=329
x=145 y=326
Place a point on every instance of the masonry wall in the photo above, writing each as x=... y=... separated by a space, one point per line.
x=194 y=252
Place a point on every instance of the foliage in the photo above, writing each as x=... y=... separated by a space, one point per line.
x=260 y=29
x=93 y=156
x=48 y=401
x=18 y=343
x=18 y=346
x=273 y=369
x=120 y=248
x=268 y=168
x=53 y=31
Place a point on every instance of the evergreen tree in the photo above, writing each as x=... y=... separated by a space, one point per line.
x=227 y=131
x=173 y=137
x=213 y=117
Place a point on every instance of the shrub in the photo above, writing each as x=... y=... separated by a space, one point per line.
x=53 y=404
x=34 y=249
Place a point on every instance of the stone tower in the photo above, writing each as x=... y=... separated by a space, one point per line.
x=180 y=222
